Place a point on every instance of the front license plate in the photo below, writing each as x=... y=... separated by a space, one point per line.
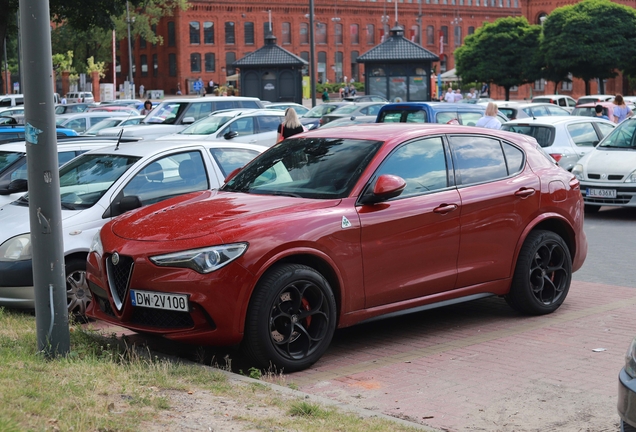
x=157 y=300
x=601 y=193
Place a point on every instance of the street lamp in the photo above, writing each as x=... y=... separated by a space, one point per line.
x=130 y=63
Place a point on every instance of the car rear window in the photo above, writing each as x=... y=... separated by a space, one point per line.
x=401 y=115
x=543 y=134
x=543 y=100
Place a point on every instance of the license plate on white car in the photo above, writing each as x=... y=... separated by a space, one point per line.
x=601 y=193
x=157 y=300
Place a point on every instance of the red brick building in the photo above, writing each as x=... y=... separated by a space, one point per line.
x=206 y=39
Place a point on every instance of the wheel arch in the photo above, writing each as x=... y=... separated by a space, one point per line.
x=76 y=255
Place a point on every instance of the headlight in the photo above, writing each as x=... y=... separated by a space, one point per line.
x=578 y=171
x=631 y=178
x=203 y=260
x=17 y=248
x=96 y=244
x=630 y=359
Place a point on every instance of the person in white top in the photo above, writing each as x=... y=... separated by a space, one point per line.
x=490 y=120
x=450 y=96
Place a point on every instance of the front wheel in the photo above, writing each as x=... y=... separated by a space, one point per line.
x=78 y=295
x=543 y=274
x=291 y=318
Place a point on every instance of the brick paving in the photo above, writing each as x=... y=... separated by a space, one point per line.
x=481 y=366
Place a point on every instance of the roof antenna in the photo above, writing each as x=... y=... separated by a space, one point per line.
x=121 y=132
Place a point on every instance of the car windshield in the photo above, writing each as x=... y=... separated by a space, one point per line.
x=543 y=134
x=165 y=113
x=102 y=125
x=60 y=120
x=7 y=158
x=624 y=136
x=319 y=168
x=86 y=179
x=345 y=109
x=207 y=126
x=319 y=111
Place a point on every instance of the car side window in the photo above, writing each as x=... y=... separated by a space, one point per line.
x=229 y=159
x=445 y=117
x=539 y=111
x=421 y=163
x=583 y=134
x=268 y=123
x=482 y=159
x=169 y=176
x=63 y=157
x=78 y=125
x=20 y=172
x=469 y=118
x=555 y=111
x=198 y=110
x=242 y=125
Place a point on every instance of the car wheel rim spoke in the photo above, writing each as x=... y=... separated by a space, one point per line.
x=299 y=320
x=78 y=295
x=548 y=273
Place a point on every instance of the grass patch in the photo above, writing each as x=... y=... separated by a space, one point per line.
x=104 y=384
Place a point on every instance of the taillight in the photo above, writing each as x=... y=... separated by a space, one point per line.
x=556 y=156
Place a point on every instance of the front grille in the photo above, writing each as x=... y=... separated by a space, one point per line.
x=611 y=177
x=119 y=277
x=608 y=201
x=161 y=318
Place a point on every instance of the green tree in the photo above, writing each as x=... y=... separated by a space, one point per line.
x=505 y=52
x=591 y=39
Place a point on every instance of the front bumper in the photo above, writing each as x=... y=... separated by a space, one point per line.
x=16 y=284
x=627 y=398
x=625 y=195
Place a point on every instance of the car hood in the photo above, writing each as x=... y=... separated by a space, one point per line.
x=181 y=137
x=204 y=213
x=610 y=161
x=14 y=220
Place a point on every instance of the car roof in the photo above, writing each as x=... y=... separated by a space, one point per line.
x=554 y=120
x=593 y=104
x=208 y=98
x=150 y=147
x=20 y=146
x=93 y=114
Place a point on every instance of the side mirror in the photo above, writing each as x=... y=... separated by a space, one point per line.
x=387 y=186
x=187 y=120
x=233 y=174
x=230 y=135
x=129 y=203
x=16 y=186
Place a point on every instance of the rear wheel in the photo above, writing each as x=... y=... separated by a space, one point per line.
x=291 y=318
x=78 y=295
x=542 y=276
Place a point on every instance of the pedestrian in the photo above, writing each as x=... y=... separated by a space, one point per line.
x=325 y=96
x=449 y=96
x=598 y=110
x=621 y=111
x=490 y=120
x=352 y=90
x=484 y=90
x=290 y=126
x=346 y=91
x=179 y=89
x=147 y=108
x=63 y=101
x=141 y=91
x=458 y=95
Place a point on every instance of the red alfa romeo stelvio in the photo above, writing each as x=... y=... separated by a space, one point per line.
x=332 y=228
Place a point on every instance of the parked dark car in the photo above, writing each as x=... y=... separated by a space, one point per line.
x=333 y=227
x=433 y=112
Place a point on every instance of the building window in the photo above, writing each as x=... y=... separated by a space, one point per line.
x=338 y=34
x=230 y=39
x=195 y=62
x=230 y=57
x=321 y=33
x=305 y=56
x=445 y=34
x=415 y=34
x=539 y=85
x=209 y=62
x=458 y=36
x=370 y=34
x=172 y=37
x=322 y=67
x=339 y=71
x=172 y=65
x=208 y=32
x=354 y=34
x=268 y=29
x=471 y=30
x=354 y=65
x=304 y=33
x=155 y=65
x=249 y=33
x=118 y=66
x=143 y=59
x=286 y=34
x=430 y=35
x=195 y=33
x=567 y=85
x=154 y=33
x=142 y=42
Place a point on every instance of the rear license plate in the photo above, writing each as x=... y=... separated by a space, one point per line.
x=157 y=300
x=601 y=193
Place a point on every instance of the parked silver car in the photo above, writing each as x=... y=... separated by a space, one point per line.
x=565 y=138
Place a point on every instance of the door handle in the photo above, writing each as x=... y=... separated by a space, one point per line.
x=445 y=208
x=525 y=192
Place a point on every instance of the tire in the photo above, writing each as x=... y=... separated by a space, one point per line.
x=291 y=318
x=78 y=295
x=542 y=276
x=591 y=208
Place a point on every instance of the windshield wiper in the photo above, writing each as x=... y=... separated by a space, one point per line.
x=289 y=194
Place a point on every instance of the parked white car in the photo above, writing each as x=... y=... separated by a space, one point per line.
x=246 y=125
x=565 y=138
x=174 y=115
x=564 y=101
x=100 y=185
x=113 y=122
x=80 y=122
x=608 y=172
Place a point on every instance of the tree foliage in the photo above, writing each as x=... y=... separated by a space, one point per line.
x=590 y=39
x=505 y=52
